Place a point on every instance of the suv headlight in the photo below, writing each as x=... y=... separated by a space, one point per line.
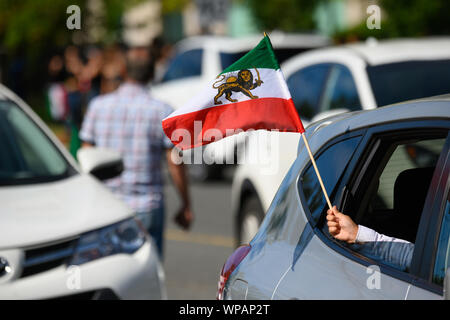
x=122 y=237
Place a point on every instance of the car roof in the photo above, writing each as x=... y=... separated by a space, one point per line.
x=245 y=43
x=437 y=107
x=3 y=91
x=374 y=52
x=388 y=51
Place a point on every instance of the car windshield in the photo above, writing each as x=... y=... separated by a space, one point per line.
x=26 y=153
x=396 y=82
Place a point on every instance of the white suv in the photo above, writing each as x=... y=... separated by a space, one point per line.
x=62 y=233
x=198 y=60
x=326 y=82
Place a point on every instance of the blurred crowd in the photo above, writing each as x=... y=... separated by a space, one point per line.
x=78 y=74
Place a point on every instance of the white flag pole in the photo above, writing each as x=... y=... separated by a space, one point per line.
x=317 y=170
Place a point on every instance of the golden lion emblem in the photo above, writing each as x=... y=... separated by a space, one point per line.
x=242 y=83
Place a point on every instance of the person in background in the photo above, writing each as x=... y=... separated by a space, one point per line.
x=90 y=77
x=74 y=66
x=113 y=69
x=129 y=120
x=161 y=53
x=82 y=85
x=56 y=92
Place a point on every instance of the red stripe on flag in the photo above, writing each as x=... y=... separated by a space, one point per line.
x=263 y=113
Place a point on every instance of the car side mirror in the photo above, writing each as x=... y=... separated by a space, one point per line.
x=102 y=163
x=447 y=285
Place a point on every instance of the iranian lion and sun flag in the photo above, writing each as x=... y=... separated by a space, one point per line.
x=250 y=94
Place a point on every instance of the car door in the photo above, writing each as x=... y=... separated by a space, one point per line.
x=435 y=228
x=321 y=269
x=328 y=269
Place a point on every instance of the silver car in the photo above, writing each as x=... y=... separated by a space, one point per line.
x=388 y=169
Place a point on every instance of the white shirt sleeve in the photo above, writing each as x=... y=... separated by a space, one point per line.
x=396 y=252
x=368 y=235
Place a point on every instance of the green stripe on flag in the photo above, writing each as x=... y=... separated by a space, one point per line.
x=262 y=56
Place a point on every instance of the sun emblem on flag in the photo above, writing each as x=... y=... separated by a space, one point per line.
x=242 y=83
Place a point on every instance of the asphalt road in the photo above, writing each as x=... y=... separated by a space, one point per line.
x=193 y=259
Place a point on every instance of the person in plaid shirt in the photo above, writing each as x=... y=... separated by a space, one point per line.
x=128 y=120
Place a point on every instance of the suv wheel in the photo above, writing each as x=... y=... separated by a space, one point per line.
x=250 y=219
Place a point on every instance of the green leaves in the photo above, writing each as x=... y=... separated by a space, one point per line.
x=286 y=15
x=26 y=23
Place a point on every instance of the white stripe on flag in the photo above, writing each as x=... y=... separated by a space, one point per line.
x=274 y=86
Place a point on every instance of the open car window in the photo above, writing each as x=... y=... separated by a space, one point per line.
x=390 y=195
x=398 y=186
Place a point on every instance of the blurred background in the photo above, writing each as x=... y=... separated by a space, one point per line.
x=39 y=51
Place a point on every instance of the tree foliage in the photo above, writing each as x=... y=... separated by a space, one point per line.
x=286 y=15
x=408 y=18
x=32 y=30
x=30 y=24
x=37 y=25
x=400 y=18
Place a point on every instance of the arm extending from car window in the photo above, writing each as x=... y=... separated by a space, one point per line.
x=393 y=251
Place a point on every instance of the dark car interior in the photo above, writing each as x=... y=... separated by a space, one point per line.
x=392 y=199
x=410 y=190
